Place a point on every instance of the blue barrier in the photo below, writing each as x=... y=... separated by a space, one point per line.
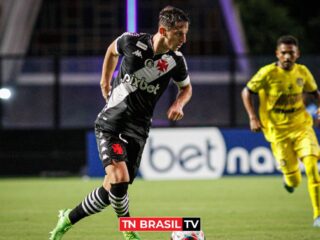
x=94 y=165
x=179 y=153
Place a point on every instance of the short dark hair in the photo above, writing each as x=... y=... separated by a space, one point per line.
x=170 y=16
x=288 y=39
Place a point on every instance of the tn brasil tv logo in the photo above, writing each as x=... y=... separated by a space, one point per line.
x=159 y=224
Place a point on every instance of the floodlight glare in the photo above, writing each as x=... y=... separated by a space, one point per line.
x=5 y=93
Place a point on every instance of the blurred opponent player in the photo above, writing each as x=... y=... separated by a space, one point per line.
x=148 y=64
x=283 y=117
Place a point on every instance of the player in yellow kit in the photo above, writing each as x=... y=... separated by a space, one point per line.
x=283 y=117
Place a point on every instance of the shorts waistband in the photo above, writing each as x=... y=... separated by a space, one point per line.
x=291 y=110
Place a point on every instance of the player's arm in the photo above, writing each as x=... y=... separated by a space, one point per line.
x=311 y=88
x=109 y=65
x=247 y=99
x=316 y=95
x=175 y=111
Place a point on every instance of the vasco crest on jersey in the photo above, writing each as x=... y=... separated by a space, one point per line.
x=162 y=66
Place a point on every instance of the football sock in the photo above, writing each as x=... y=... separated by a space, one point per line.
x=311 y=166
x=293 y=179
x=93 y=203
x=118 y=197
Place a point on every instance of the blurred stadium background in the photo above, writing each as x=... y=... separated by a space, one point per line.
x=51 y=54
x=51 y=57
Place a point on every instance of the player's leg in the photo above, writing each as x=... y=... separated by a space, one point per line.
x=307 y=148
x=93 y=203
x=311 y=166
x=118 y=187
x=292 y=180
x=98 y=199
x=288 y=163
x=115 y=158
x=134 y=149
x=118 y=193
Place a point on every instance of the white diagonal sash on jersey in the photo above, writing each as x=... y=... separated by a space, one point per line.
x=151 y=74
x=146 y=73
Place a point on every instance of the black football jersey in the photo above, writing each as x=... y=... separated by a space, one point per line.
x=141 y=80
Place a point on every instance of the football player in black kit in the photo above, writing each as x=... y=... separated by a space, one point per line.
x=149 y=63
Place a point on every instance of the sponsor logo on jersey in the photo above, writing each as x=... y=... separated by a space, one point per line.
x=149 y=63
x=140 y=83
x=142 y=45
x=134 y=34
x=137 y=53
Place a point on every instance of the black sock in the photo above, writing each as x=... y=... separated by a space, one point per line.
x=119 y=200
x=93 y=203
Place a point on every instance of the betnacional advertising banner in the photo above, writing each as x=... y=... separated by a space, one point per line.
x=204 y=153
x=197 y=153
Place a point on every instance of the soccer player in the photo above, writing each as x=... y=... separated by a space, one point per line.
x=148 y=63
x=283 y=117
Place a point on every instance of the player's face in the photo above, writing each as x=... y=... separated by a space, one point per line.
x=287 y=55
x=177 y=36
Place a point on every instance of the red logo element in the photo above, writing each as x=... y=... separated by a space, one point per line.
x=117 y=149
x=194 y=236
x=162 y=65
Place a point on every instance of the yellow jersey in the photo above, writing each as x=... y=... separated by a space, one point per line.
x=281 y=108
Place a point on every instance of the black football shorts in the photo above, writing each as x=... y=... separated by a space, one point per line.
x=118 y=148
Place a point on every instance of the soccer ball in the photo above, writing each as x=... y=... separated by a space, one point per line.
x=188 y=235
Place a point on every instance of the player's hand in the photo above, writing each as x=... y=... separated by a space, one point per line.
x=175 y=112
x=318 y=113
x=106 y=91
x=255 y=125
x=318 y=116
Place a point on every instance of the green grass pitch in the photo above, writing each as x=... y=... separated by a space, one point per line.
x=231 y=208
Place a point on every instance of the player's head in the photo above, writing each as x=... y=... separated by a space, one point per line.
x=170 y=16
x=173 y=26
x=287 y=51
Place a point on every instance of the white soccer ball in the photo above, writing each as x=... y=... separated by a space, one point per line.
x=188 y=235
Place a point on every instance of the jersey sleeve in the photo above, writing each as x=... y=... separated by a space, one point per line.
x=180 y=75
x=257 y=82
x=123 y=41
x=310 y=83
